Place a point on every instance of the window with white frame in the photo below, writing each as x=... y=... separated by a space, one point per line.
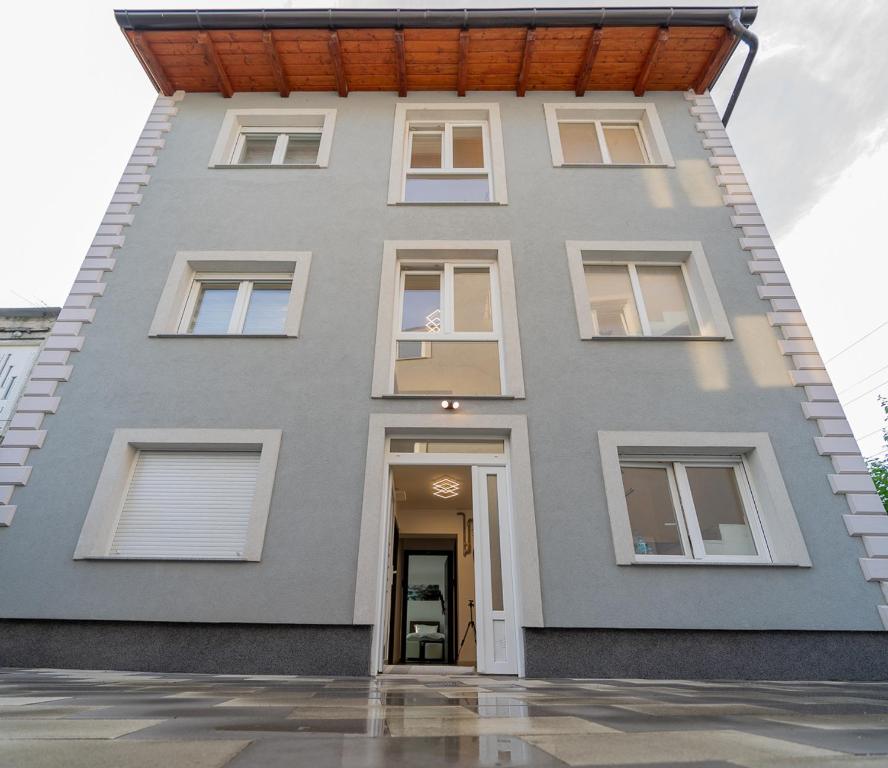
x=283 y=138
x=617 y=134
x=657 y=289
x=447 y=162
x=233 y=293
x=448 y=334
x=182 y=494
x=699 y=508
x=447 y=153
x=236 y=304
x=599 y=142
x=698 y=498
x=641 y=299
x=265 y=146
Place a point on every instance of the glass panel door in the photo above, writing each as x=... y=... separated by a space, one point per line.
x=497 y=622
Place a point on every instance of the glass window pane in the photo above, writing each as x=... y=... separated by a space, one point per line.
x=447 y=189
x=720 y=513
x=448 y=368
x=468 y=147
x=666 y=301
x=302 y=148
x=579 y=143
x=612 y=300
x=214 y=306
x=496 y=559
x=422 y=304
x=258 y=148
x=267 y=310
x=472 y=309
x=652 y=517
x=624 y=144
x=425 y=151
x=408 y=445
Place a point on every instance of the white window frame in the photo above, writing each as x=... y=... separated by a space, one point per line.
x=462 y=253
x=634 y=125
x=685 y=511
x=778 y=527
x=712 y=321
x=97 y=533
x=448 y=296
x=638 y=294
x=241 y=303
x=178 y=298
x=239 y=122
x=446 y=169
x=455 y=114
x=280 y=147
x=643 y=116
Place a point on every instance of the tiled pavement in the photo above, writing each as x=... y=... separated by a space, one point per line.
x=55 y=718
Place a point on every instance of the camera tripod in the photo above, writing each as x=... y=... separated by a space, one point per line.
x=470 y=625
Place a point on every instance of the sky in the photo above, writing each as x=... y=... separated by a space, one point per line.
x=810 y=129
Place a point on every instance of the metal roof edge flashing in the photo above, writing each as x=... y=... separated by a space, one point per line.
x=287 y=18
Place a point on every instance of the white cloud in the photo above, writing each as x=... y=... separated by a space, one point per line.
x=837 y=260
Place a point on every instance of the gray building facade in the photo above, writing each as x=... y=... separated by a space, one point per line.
x=579 y=409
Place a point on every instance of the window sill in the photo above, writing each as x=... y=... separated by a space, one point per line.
x=446 y=397
x=656 y=338
x=614 y=165
x=445 y=202
x=266 y=165
x=221 y=336
x=161 y=559
x=711 y=563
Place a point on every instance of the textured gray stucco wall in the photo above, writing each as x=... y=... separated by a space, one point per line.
x=316 y=388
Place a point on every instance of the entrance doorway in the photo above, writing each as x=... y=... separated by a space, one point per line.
x=433 y=579
x=449 y=591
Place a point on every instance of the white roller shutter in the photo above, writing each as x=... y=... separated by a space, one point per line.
x=187 y=504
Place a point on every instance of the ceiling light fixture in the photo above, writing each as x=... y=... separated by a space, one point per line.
x=445 y=488
x=450 y=405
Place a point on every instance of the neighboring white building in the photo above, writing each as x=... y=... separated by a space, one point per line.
x=22 y=333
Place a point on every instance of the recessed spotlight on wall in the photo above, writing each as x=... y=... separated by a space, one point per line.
x=450 y=405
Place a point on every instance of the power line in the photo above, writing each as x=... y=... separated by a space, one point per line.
x=855 y=343
x=860 y=381
x=864 y=394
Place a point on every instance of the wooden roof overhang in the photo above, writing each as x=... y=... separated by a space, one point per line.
x=576 y=49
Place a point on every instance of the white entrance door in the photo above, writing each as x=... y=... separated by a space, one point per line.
x=498 y=649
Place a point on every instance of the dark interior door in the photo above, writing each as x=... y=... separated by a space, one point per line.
x=428 y=615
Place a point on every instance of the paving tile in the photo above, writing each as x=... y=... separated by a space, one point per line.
x=650 y=748
x=70 y=729
x=363 y=727
x=358 y=752
x=286 y=700
x=865 y=741
x=44 y=712
x=114 y=754
x=693 y=710
x=833 y=722
x=495 y=726
x=23 y=701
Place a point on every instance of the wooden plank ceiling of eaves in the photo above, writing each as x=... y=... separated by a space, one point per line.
x=369 y=60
